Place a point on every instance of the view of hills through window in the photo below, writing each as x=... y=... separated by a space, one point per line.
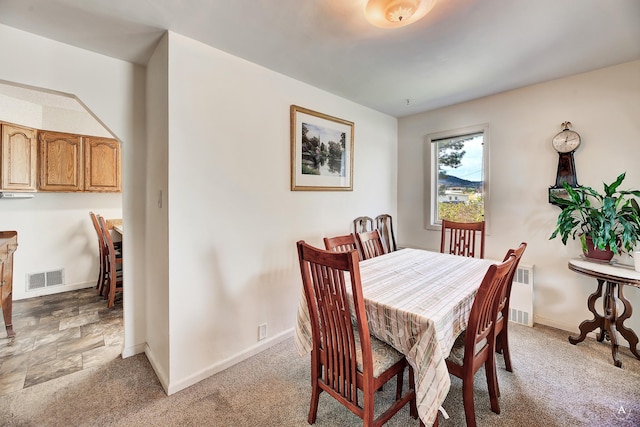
x=460 y=178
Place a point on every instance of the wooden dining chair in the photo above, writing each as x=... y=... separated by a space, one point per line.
x=362 y=224
x=476 y=345
x=384 y=225
x=114 y=278
x=102 y=274
x=370 y=244
x=343 y=243
x=462 y=238
x=344 y=357
x=502 y=321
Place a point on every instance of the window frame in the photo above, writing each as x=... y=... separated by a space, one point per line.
x=431 y=169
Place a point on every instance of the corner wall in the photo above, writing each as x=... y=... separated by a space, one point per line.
x=156 y=221
x=233 y=220
x=603 y=106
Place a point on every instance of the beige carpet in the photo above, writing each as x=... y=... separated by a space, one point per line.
x=553 y=384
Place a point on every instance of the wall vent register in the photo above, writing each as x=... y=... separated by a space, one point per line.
x=45 y=280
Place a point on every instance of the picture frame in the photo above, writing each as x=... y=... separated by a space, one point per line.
x=321 y=151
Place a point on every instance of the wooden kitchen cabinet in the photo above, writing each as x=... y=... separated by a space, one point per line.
x=8 y=245
x=101 y=164
x=19 y=158
x=60 y=162
x=70 y=162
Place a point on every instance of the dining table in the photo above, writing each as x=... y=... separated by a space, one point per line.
x=119 y=228
x=116 y=224
x=417 y=301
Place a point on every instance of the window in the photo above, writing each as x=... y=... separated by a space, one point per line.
x=456 y=175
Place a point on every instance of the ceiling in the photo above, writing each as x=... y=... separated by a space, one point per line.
x=462 y=50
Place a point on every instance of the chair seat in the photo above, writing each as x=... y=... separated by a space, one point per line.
x=457 y=351
x=384 y=356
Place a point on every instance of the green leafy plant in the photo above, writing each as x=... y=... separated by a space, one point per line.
x=611 y=219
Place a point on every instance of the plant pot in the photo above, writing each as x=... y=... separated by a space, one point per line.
x=595 y=253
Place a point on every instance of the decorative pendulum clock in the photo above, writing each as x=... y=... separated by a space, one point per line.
x=565 y=143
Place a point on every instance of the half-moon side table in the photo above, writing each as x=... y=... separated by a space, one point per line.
x=614 y=277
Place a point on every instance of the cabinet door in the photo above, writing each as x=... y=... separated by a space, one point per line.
x=19 y=158
x=102 y=164
x=60 y=162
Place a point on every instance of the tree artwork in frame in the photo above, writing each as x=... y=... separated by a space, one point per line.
x=321 y=152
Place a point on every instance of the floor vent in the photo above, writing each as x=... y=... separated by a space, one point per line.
x=44 y=280
x=521 y=303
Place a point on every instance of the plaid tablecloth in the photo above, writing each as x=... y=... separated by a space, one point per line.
x=418 y=302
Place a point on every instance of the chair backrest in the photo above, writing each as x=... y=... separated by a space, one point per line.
x=362 y=224
x=109 y=249
x=503 y=304
x=485 y=307
x=332 y=329
x=112 y=260
x=462 y=238
x=96 y=226
x=102 y=272
x=384 y=225
x=344 y=243
x=370 y=244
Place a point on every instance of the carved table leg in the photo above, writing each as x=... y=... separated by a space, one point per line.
x=7 y=309
x=627 y=333
x=597 y=321
x=610 y=317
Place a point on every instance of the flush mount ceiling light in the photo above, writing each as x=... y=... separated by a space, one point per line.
x=396 y=13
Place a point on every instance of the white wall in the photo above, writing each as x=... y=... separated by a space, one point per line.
x=233 y=221
x=157 y=223
x=604 y=107
x=113 y=91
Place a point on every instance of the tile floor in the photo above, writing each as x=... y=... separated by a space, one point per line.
x=57 y=335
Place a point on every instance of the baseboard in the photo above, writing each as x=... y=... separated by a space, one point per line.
x=227 y=363
x=54 y=290
x=552 y=323
x=162 y=376
x=133 y=350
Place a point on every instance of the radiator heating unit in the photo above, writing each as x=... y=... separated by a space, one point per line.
x=521 y=303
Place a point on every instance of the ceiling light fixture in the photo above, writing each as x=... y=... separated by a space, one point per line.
x=396 y=13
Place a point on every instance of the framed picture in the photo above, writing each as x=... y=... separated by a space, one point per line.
x=321 y=152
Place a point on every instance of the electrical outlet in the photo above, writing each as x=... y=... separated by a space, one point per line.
x=262 y=331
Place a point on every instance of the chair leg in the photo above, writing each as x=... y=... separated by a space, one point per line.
x=413 y=407
x=504 y=345
x=399 y=385
x=112 y=295
x=367 y=406
x=315 y=397
x=492 y=382
x=467 y=399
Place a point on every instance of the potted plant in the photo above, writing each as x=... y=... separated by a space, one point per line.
x=609 y=221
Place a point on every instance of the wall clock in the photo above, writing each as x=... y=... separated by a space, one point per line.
x=565 y=143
